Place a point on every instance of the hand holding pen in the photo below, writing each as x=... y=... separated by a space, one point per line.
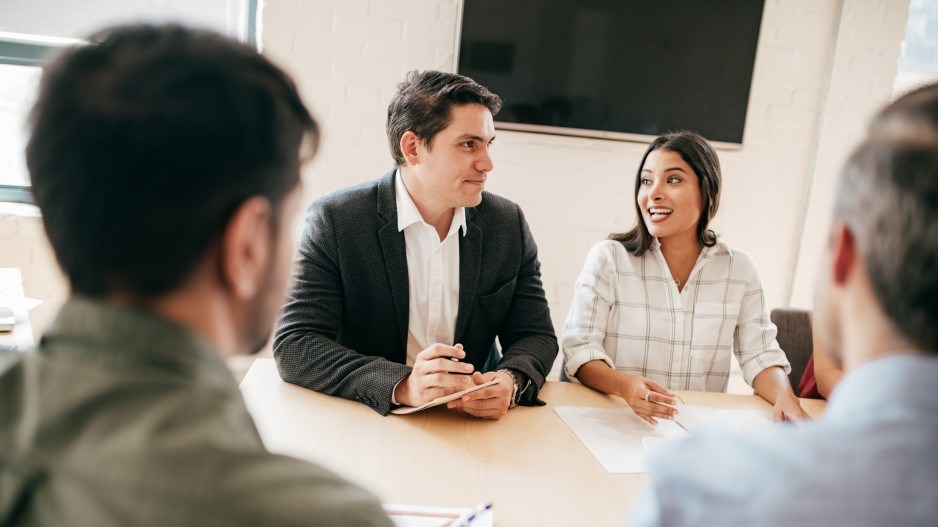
x=432 y=377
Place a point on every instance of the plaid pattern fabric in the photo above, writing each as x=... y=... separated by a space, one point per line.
x=627 y=311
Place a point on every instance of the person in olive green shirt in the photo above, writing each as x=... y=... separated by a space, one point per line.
x=166 y=164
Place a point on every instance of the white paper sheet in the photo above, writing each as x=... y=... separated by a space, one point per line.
x=693 y=417
x=616 y=437
x=621 y=441
x=422 y=516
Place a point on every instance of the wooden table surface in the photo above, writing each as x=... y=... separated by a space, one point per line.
x=528 y=463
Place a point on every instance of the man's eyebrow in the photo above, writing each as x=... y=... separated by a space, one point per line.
x=475 y=137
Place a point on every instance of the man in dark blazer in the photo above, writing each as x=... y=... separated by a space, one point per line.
x=404 y=283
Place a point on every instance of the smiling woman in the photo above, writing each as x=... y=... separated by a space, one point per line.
x=665 y=305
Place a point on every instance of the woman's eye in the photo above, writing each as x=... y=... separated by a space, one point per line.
x=674 y=180
x=646 y=181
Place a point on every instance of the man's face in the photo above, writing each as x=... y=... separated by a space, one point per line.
x=453 y=169
x=264 y=307
x=826 y=317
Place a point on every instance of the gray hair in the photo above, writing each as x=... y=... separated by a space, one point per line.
x=888 y=196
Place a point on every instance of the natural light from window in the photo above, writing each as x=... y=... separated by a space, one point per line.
x=918 y=62
x=17 y=93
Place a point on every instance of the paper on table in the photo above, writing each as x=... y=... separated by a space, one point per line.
x=404 y=410
x=19 y=304
x=621 y=441
x=615 y=436
x=692 y=417
x=422 y=516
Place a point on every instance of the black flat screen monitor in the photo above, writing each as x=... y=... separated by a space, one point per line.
x=620 y=69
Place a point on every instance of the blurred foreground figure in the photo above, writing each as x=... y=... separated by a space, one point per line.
x=166 y=163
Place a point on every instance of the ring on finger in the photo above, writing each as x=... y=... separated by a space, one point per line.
x=647 y=394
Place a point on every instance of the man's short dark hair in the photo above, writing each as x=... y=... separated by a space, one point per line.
x=423 y=105
x=888 y=196
x=144 y=143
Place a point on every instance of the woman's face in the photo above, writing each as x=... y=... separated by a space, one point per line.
x=669 y=196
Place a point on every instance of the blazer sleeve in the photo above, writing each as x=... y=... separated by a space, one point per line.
x=527 y=335
x=305 y=343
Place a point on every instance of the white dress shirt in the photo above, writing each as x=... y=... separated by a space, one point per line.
x=628 y=312
x=870 y=461
x=432 y=273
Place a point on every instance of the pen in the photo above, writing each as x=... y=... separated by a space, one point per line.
x=454 y=359
x=468 y=516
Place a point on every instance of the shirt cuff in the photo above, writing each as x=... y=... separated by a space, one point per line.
x=394 y=390
x=580 y=357
x=759 y=364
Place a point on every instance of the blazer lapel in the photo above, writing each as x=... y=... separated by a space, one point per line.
x=470 y=266
x=395 y=256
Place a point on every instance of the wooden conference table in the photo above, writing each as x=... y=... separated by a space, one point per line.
x=528 y=464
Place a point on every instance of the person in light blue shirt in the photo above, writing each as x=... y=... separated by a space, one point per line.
x=873 y=458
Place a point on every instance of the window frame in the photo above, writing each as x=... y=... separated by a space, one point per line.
x=34 y=51
x=20 y=50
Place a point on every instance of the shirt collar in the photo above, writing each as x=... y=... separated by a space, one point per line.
x=706 y=252
x=106 y=332
x=903 y=381
x=407 y=213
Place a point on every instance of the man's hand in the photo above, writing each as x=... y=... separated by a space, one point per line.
x=435 y=375
x=491 y=402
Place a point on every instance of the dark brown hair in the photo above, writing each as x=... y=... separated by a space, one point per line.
x=423 y=105
x=145 y=141
x=696 y=152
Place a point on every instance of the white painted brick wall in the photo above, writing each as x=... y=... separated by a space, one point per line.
x=24 y=245
x=347 y=55
x=867 y=47
x=574 y=191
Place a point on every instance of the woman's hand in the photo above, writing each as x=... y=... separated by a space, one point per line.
x=772 y=385
x=788 y=408
x=646 y=398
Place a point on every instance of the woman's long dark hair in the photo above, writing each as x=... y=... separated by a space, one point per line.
x=696 y=152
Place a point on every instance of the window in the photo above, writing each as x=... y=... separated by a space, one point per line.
x=31 y=30
x=918 y=62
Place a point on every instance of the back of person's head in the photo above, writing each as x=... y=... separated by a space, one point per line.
x=146 y=140
x=888 y=197
x=697 y=152
x=423 y=105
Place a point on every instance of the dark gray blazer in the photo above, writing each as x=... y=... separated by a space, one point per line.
x=343 y=330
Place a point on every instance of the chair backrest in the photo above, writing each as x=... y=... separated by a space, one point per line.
x=794 y=337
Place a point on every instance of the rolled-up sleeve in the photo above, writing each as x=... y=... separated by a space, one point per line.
x=754 y=339
x=585 y=327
